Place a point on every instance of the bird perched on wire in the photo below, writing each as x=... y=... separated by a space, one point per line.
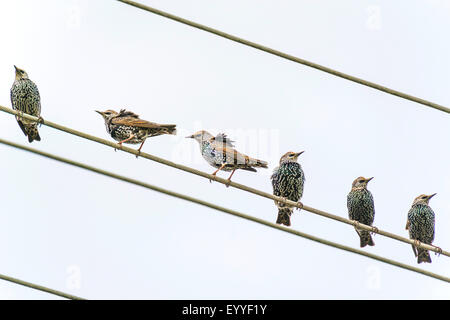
x=287 y=182
x=420 y=224
x=219 y=152
x=25 y=98
x=361 y=208
x=126 y=127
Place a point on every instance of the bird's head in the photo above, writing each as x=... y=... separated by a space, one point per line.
x=201 y=136
x=108 y=114
x=290 y=156
x=20 y=73
x=361 y=183
x=423 y=199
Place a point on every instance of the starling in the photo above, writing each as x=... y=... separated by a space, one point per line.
x=287 y=182
x=219 y=152
x=420 y=224
x=126 y=127
x=361 y=208
x=25 y=98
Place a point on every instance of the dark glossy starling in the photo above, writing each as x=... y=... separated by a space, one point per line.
x=25 y=98
x=361 y=208
x=287 y=182
x=219 y=152
x=420 y=224
x=126 y=127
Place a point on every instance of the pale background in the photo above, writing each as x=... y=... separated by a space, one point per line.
x=98 y=238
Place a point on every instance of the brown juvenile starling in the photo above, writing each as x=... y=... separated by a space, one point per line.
x=25 y=98
x=126 y=127
x=219 y=152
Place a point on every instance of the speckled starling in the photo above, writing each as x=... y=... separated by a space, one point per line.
x=361 y=208
x=420 y=224
x=126 y=127
x=25 y=98
x=219 y=152
x=287 y=182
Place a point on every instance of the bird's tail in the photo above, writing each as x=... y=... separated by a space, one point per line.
x=258 y=163
x=284 y=216
x=365 y=238
x=32 y=133
x=171 y=128
x=423 y=256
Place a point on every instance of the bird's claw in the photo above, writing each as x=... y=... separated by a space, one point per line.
x=439 y=251
x=20 y=115
x=300 y=206
x=40 y=120
x=375 y=230
x=214 y=177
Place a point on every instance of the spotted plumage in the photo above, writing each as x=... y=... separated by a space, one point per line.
x=25 y=98
x=219 y=152
x=361 y=208
x=126 y=127
x=287 y=182
x=420 y=223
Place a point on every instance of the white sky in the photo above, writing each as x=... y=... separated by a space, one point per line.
x=95 y=237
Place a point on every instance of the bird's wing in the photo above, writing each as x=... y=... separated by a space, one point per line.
x=136 y=122
x=223 y=139
x=275 y=183
x=407 y=224
x=233 y=156
x=126 y=113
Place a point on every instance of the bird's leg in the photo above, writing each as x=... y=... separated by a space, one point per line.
x=20 y=115
x=300 y=206
x=139 y=150
x=417 y=243
x=356 y=224
x=229 y=178
x=220 y=168
x=127 y=139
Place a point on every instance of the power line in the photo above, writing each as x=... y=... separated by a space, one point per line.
x=287 y=56
x=226 y=210
x=38 y=287
x=228 y=183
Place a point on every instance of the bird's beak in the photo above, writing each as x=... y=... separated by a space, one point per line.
x=17 y=69
x=299 y=153
x=192 y=137
x=99 y=112
x=431 y=196
x=369 y=179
